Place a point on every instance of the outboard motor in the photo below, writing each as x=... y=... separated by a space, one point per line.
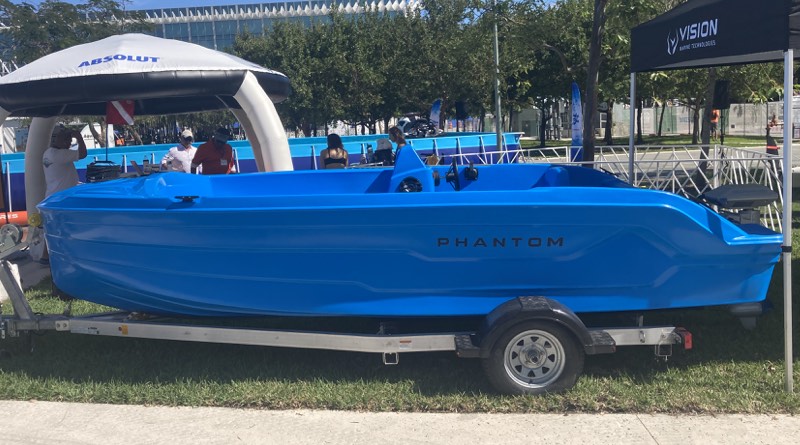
x=740 y=202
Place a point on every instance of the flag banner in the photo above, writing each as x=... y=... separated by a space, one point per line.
x=436 y=108
x=576 y=147
x=119 y=112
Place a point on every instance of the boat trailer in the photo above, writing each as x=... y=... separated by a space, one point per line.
x=528 y=345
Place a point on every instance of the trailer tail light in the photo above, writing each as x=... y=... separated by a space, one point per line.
x=686 y=337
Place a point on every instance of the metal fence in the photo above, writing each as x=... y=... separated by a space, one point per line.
x=687 y=170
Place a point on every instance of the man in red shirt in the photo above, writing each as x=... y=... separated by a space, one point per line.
x=215 y=156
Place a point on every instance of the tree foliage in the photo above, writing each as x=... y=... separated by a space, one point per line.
x=35 y=31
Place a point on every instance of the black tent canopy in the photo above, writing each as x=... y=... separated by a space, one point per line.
x=705 y=33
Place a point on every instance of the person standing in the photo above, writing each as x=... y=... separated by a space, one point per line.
x=396 y=136
x=383 y=153
x=773 y=122
x=215 y=156
x=772 y=144
x=179 y=158
x=59 y=160
x=334 y=156
x=714 y=122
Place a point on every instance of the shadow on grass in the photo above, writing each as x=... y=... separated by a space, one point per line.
x=718 y=337
x=84 y=359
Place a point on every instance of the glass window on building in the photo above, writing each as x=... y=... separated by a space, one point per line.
x=178 y=31
x=203 y=34
x=225 y=42
x=226 y=31
x=226 y=27
x=174 y=12
x=253 y=26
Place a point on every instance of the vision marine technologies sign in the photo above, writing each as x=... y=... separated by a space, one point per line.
x=691 y=37
x=708 y=32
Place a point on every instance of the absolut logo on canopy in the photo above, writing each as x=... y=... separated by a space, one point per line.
x=126 y=57
x=693 y=36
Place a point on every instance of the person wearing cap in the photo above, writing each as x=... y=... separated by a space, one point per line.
x=59 y=160
x=215 y=157
x=179 y=158
x=383 y=153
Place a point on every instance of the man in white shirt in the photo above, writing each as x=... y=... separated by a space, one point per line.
x=58 y=160
x=179 y=158
x=60 y=174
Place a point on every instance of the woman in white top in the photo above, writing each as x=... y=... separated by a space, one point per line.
x=179 y=158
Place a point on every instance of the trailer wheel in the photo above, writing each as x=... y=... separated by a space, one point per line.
x=534 y=358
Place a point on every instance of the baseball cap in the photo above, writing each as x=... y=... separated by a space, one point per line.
x=384 y=144
x=187 y=134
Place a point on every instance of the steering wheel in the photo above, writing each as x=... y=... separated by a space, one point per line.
x=409 y=185
x=452 y=176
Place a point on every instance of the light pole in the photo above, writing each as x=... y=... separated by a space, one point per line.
x=498 y=117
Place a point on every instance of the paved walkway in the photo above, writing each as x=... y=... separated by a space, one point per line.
x=23 y=422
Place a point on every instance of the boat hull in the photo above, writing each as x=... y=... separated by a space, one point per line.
x=265 y=244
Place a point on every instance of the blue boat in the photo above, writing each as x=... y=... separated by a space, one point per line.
x=412 y=240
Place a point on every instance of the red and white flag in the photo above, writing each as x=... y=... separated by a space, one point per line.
x=120 y=112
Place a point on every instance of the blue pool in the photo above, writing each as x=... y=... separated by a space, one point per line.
x=480 y=148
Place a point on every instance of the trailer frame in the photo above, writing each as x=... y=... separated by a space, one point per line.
x=480 y=343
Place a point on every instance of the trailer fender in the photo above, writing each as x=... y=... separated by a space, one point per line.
x=522 y=309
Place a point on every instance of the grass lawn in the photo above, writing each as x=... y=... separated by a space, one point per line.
x=730 y=370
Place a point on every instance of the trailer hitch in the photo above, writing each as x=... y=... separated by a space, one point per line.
x=391 y=358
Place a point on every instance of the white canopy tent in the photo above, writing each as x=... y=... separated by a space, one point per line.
x=161 y=76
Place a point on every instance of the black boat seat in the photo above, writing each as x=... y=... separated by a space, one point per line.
x=740 y=196
x=384 y=157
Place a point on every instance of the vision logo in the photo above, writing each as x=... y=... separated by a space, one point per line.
x=672 y=43
x=696 y=35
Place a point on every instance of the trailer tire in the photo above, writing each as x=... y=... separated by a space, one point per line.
x=534 y=357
